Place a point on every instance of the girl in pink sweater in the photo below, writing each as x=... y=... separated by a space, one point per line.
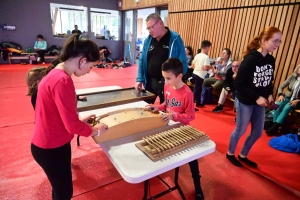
x=56 y=117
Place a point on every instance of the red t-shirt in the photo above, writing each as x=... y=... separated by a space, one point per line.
x=56 y=117
x=180 y=102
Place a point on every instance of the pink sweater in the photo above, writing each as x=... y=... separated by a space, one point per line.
x=180 y=102
x=56 y=117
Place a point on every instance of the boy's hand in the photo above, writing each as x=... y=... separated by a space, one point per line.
x=167 y=117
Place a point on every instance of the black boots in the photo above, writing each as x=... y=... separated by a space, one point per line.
x=274 y=129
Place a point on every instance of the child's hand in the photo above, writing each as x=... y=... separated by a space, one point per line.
x=167 y=117
x=89 y=118
x=102 y=127
x=151 y=106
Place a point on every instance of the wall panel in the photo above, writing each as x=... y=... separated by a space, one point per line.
x=132 y=4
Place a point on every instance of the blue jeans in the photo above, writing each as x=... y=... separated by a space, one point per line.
x=244 y=114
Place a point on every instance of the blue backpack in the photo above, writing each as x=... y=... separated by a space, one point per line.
x=206 y=96
x=288 y=143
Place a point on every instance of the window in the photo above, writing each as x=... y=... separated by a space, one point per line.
x=65 y=17
x=105 y=24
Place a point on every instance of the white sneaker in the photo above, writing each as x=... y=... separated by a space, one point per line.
x=38 y=59
x=43 y=63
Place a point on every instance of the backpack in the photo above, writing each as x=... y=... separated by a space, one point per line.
x=287 y=143
x=53 y=50
x=206 y=96
x=268 y=118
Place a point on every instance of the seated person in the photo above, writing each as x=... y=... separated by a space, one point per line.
x=40 y=46
x=220 y=72
x=228 y=85
x=104 y=53
x=190 y=56
x=287 y=101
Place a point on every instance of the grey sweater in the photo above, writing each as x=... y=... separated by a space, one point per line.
x=289 y=82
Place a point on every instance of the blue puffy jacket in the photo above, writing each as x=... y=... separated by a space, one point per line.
x=288 y=143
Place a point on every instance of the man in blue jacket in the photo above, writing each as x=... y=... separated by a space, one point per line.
x=161 y=44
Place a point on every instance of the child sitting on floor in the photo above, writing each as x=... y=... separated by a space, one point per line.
x=179 y=106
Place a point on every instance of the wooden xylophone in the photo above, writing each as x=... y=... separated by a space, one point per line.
x=169 y=142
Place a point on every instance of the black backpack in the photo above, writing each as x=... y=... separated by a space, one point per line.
x=54 y=50
x=207 y=95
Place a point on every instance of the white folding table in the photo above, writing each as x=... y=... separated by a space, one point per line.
x=134 y=166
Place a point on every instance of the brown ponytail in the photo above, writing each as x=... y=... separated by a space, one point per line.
x=266 y=34
x=254 y=44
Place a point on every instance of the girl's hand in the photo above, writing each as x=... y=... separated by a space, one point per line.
x=167 y=117
x=88 y=118
x=153 y=107
x=102 y=127
x=262 y=101
x=270 y=99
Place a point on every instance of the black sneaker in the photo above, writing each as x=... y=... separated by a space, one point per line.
x=217 y=109
x=247 y=161
x=200 y=105
x=199 y=196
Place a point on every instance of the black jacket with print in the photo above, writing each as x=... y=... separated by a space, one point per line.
x=255 y=77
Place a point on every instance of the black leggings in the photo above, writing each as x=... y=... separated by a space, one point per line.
x=56 y=163
x=41 y=54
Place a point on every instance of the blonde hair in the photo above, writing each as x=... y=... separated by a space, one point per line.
x=255 y=43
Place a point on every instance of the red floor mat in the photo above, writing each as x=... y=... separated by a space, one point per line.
x=18 y=170
x=219 y=181
x=22 y=178
x=279 y=166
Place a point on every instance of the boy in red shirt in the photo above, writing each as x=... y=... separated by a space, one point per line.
x=179 y=106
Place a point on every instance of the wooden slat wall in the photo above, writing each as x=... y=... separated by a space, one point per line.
x=233 y=23
x=132 y=4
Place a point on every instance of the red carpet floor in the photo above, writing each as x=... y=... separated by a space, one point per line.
x=95 y=177
x=279 y=166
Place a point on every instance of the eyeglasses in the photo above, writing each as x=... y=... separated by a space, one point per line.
x=277 y=42
x=151 y=27
x=235 y=66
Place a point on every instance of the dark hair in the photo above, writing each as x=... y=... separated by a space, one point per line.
x=190 y=50
x=75 y=46
x=266 y=34
x=198 y=51
x=34 y=76
x=173 y=65
x=228 y=51
x=40 y=36
x=205 y=43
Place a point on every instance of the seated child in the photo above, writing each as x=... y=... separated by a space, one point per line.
x=179 y=106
